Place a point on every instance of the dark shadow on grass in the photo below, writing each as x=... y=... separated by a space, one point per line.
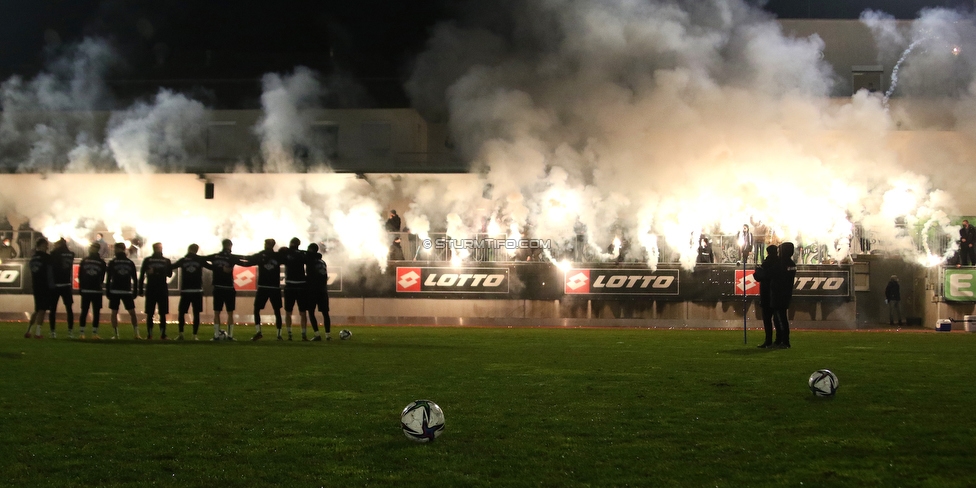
x=747 y=351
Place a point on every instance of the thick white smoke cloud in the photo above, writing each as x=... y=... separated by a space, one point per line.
x=655 y=121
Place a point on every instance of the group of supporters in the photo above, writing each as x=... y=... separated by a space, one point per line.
x=306 y=278
x=776 y=277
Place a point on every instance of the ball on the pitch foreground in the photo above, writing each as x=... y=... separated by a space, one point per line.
x=422 y=421
x=345 y=334
x=823 y=383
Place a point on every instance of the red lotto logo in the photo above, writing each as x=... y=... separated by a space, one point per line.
x=244 y=279
x=577 y=281
x=408 y=280
x=749 y=284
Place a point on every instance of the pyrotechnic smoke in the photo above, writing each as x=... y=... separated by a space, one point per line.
x=655 y=121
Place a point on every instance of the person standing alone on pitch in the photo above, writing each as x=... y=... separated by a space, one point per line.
x=766 y=275
x=120 y=285
x=782 y=293
x=153 y=283
x=191 y=287
x=224 y=293
x=42 y=278
x=91 y=275
x=893 y=299
x=318 y=292
x=63 y=263
x=967 y=238
x=268 y=263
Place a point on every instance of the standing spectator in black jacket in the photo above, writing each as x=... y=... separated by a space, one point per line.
x=317 y=289
x=705 y=254
x=268 y=263
x=42 y=277
x=7 y=251
x=745 y=243
x=782 y=293
x=91 y=275
x=120 y=285
x=63 y=262
x=893 y=299
x=103 y=249
x=967 y=238
x=153 y=283
x=393 y=223
x=224 y=293
x=191 y=288
x=766 y=275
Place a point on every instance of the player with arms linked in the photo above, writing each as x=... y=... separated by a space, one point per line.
x=268 y=263
x=224 y=293
x=191 y=287
x=317 y=292
x=42 y=278
x=91 y=275
x=153 y=277
x=63 y=264
x=121 y=286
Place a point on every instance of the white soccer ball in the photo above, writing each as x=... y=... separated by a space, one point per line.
x=222 y=335
x=823 y=383
x=422 y=421
x=345 y=334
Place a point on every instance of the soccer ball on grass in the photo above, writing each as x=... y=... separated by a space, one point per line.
x=823 y=383
x=345 y=334
x=422 y=421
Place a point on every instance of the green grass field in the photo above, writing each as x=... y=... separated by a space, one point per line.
x=550 y=407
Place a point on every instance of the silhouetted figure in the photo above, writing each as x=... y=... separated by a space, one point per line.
x=396 y=251
x=782 y=293
x=62 y=264
x=893 y=299
x=705 y=254
x=766 y=276
x=967 y=237
x=393 y=223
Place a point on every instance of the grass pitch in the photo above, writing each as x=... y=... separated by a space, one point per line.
x=551 y=407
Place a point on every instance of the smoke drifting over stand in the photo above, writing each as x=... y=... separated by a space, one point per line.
x=643 y=121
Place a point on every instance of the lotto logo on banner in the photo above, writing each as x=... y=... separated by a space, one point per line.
x=749 y=284
x=577 y=281
x=74 y=277
x=11 y=276
x=452 y=280
x=814 y=283
x=245 y=279
x=408 y=279
x=621 y=282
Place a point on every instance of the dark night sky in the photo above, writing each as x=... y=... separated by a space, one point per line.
x=224 y=47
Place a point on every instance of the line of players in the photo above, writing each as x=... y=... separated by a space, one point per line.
x=306 y=278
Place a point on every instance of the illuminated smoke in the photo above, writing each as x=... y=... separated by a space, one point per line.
x=656 y=121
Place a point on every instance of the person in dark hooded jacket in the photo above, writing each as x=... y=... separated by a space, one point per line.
x=318 y=292
x=765 y=275
x=782 y=293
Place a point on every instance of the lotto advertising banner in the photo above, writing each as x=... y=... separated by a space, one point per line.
x=12 y=277
x=452 y=280
x=246 y=279
x=960 y=285
x=614 y=281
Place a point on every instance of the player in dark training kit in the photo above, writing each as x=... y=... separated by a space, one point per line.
x=42 y=277
x=63 y=262
x=316 y=289
x=191 y=286
x=294 y=260
x=224 y=293
x=268 y=263
x=91 y=275
x=120 y=285
x=156 y=271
